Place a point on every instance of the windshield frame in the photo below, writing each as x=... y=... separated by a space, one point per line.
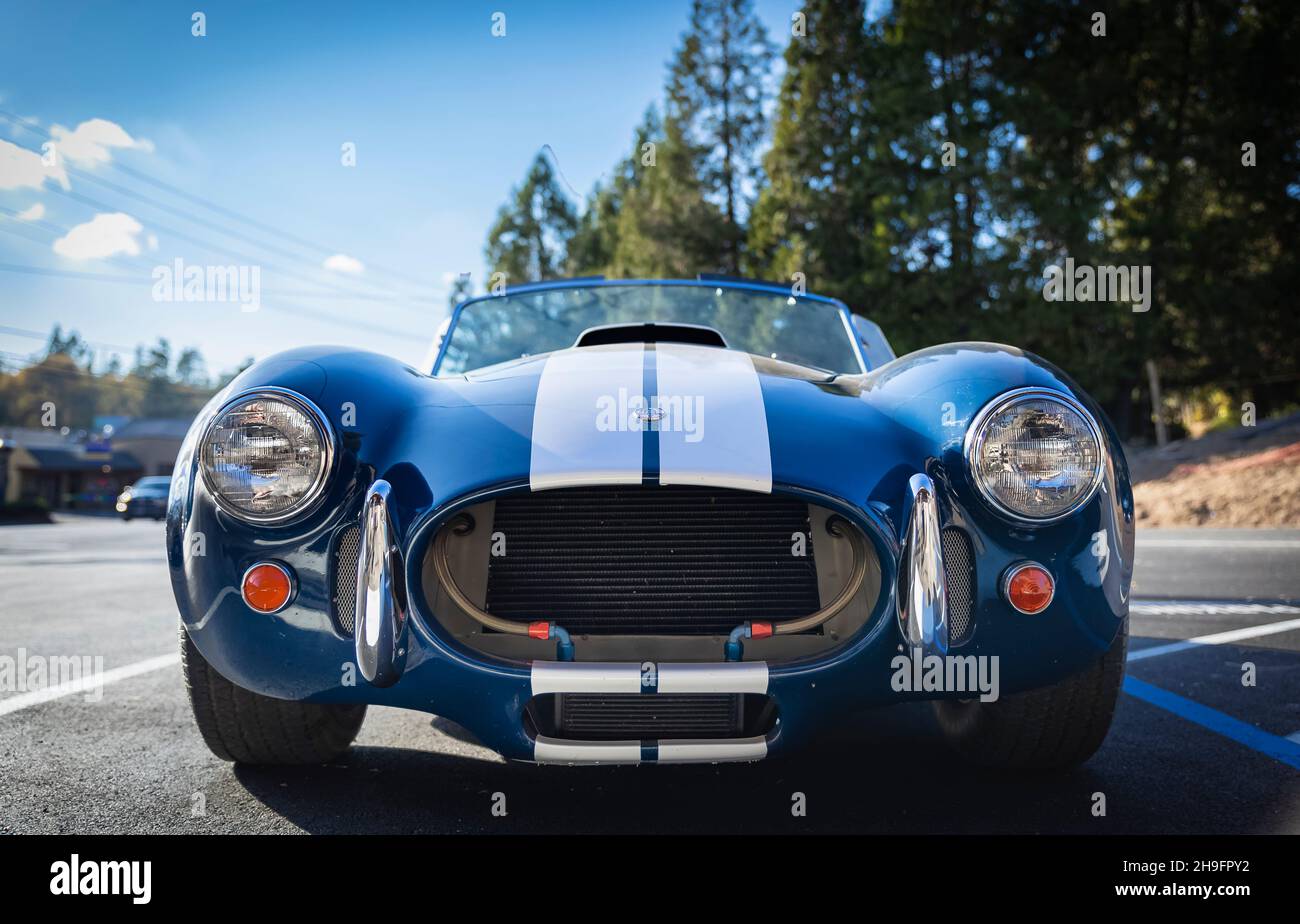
x=449 y=323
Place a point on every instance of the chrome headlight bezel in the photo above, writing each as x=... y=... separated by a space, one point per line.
x=976 y=435
x=324 y=433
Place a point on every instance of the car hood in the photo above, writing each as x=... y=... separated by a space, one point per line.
x=666 y=413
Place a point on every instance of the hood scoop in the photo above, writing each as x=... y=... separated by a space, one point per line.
x=650 y=333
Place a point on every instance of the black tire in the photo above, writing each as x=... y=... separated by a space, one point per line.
x=247 y=728
x=1052 y=728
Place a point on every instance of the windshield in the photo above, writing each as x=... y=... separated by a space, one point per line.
x=151 y=486
x=506 y=327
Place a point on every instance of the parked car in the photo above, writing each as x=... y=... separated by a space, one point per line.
x=146 y=498
x=653 y=521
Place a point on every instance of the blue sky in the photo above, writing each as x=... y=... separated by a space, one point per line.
x=252 y=116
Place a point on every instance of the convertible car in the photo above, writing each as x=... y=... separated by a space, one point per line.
x=653 y=521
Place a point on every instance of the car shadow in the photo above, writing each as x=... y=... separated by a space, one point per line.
x=890 y=774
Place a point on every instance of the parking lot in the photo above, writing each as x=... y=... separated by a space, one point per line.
x=1192 y=750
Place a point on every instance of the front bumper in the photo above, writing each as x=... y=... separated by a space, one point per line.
x=298 y=654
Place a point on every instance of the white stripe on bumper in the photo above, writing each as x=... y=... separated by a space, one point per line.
x=630 y=676
x=585 y=677
x=723 y=677
x=685 y=751
x=555 y=751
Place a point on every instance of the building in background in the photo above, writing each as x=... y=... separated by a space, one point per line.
x=153 y=441
x=79 y=471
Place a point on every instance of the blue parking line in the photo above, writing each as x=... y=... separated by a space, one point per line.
x=1274 y=746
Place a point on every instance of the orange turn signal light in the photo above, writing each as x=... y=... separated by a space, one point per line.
x=1028 y=587
x=268 y=587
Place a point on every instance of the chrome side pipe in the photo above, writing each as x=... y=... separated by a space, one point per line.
x=922 y=581
x=380 y=626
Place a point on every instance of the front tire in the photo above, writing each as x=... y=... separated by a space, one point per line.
x=248 y=728
x=1052 y=728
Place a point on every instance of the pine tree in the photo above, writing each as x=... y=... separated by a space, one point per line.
x=716 y=90
x=814 y=216
x=529 y=239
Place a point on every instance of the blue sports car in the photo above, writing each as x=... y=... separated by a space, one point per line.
x=653 y=521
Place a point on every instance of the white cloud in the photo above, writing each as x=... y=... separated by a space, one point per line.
x=20 y=167
x=105 y=235
x=152 y=241
x=342 y=263
x=35 y=213
x=91 y=142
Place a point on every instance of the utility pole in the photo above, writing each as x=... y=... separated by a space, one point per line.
x=1153 y=378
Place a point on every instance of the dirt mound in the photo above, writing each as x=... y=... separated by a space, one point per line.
x=1248 y=477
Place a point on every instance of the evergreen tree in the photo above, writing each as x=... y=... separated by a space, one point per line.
x=716 y=91
x=530 y=238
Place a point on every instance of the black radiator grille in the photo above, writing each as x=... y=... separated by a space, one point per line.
x=630 y=716
x=344 y=602
x=651 y=560
x=959 y=569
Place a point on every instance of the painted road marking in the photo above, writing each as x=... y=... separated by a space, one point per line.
x=1217 y=543
x=1218 y=638
x=1210 y=608
x=1278 y=748
x=85 y=684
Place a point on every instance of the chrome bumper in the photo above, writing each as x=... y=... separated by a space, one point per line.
x=922 y=582
x=381 y=594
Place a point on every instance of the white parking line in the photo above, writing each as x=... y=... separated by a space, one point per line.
x=58 y=691
x=1217 y=543
x=1210 y=608
x=1218 y=638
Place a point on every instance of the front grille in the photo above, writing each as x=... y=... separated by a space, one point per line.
x=626 y=716
x=959 y=569
x=651 y=560
x=344 y=601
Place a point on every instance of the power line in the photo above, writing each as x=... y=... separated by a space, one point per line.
x=280 y=303
x=136 y=280
x=220 y=209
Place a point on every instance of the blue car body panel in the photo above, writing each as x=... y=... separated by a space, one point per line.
x=848 y=443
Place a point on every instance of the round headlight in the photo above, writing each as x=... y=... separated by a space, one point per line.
x=1035 y=454
x=266 y=455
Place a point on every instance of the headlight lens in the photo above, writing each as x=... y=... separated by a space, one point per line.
x=1035 y=454
x=266 y=456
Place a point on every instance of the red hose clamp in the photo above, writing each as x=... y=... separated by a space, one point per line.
x=760 y=630
x=540 y=630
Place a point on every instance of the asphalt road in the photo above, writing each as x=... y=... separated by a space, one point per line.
x=1217 y=757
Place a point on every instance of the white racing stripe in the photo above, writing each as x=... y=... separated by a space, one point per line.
x=1218 y=638
x=585 y=677
x=86 y=684
x=721 y=750
x=569 y=447
x=722 y=677
x=558 y=751
x=728 y=445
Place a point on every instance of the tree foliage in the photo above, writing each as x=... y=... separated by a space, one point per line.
x=930 y=164
x=64 y=379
